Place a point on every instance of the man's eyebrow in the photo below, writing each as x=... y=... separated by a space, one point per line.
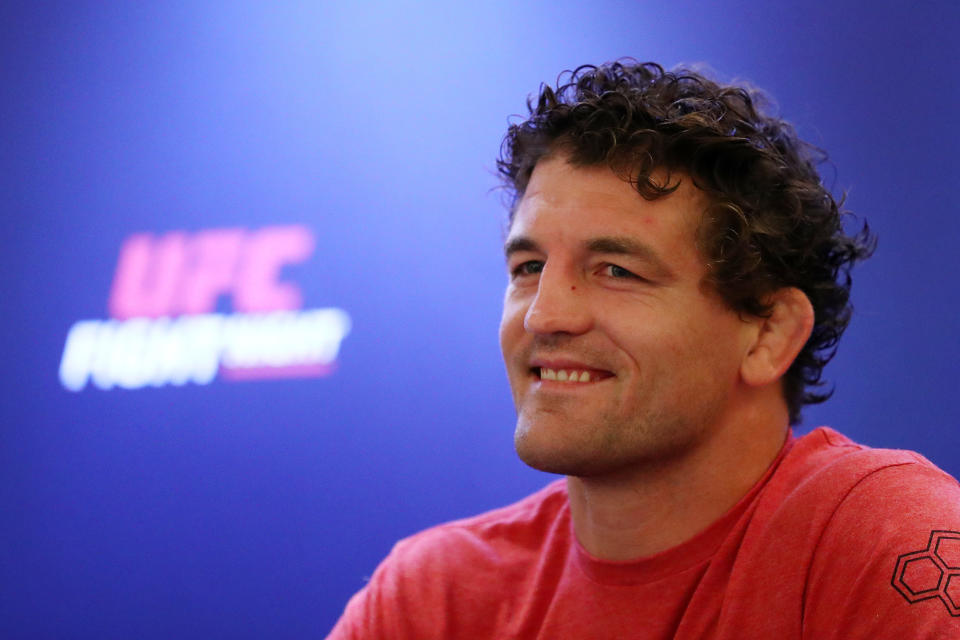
x=622 y=245
x=519 y=243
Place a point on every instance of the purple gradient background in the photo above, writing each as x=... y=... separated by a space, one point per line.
x=255 y=509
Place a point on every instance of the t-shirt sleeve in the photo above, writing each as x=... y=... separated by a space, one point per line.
x=376 y=611
x=435 y=584
x=351 y=623
x=888 y=562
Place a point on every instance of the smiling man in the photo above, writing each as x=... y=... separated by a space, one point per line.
x=678 y=278
x=630 y=374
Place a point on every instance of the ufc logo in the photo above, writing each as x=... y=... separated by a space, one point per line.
x=184 y=273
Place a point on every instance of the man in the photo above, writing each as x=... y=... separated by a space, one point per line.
x=678 y=278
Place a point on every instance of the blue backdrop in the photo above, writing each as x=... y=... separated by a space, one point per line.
x=214 y=493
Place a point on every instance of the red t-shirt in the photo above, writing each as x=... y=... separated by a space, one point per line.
x=837 y=540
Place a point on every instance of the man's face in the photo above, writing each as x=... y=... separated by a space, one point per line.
x=607 y=289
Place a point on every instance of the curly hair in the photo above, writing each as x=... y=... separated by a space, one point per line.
x=771 y=222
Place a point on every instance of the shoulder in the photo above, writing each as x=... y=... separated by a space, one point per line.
x=442 y=576
x=886 y=555
x=825 y=470
x=825 y=454
x=844 y=492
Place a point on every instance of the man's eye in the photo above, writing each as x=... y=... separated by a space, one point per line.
x=528 y=268
x=619 y=272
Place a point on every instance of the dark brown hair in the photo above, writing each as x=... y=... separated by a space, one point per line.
x=771 y=223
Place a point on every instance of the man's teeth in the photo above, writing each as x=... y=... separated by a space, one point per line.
x=564 y=375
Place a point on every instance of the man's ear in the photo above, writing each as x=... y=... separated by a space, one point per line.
x=780 y=338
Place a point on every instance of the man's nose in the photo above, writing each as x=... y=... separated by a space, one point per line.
x=559 y=306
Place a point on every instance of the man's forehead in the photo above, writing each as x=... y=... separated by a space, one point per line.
x=605 y=202
x=556 y=181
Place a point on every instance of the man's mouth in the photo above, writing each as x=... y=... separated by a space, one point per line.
x=564 y=375
x=569 y=375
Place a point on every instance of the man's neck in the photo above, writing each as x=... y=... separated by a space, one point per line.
x=651 y=509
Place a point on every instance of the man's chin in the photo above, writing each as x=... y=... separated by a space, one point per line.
x=546 y=446
x=573 y=459
x=576 y=466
